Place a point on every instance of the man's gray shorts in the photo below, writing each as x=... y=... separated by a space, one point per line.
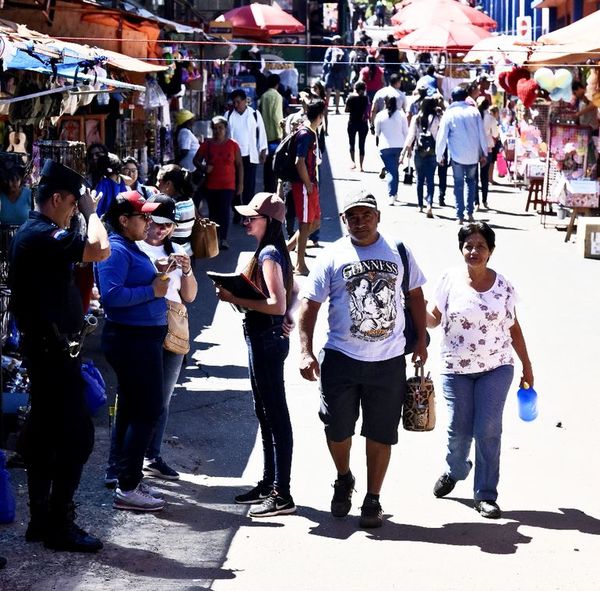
x=347 y=385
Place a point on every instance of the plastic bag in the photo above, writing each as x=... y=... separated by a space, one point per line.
x=95 y=387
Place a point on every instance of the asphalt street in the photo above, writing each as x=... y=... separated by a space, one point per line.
x=548 y=538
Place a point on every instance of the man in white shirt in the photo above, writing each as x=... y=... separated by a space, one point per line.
x=362 y=364
x=246 y=127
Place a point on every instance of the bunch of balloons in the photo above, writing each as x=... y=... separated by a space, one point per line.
x=556 y=84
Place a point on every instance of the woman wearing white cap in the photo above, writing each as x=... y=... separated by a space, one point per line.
x=267 y=325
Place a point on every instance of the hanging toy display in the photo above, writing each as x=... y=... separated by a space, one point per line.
x=556 y=84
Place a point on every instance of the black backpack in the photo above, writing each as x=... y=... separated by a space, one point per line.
x=284 y=160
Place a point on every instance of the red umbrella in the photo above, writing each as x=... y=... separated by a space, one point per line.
x=447 y=36
x=421 y=13
x=261 y=20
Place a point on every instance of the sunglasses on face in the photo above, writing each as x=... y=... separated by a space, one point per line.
x=252 y=217
x=144 y=216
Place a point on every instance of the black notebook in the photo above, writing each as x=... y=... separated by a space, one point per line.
x=238 y=284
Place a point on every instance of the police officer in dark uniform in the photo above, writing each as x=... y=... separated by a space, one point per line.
x=58 y=436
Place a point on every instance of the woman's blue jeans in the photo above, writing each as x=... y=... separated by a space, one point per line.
x=136 y=355
x=390 y=157
x=172 y=363
x=267 y=351
x=475 y=405
x=425 y=167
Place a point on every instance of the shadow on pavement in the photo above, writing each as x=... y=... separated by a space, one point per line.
x=490 y=537
x=150 y=564
x=565 y=519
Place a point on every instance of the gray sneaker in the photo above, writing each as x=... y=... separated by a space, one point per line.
x=136 y=500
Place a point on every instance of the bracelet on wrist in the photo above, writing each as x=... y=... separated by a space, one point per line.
x=187 y=273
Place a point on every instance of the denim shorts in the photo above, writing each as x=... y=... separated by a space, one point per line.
x=347 y=385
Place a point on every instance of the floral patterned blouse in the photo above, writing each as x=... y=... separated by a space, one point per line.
x=476 y=324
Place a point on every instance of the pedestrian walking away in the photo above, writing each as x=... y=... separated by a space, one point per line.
x=492 y=134
x=476 y=309
x=133 y=294
x=335 y=71
x=421 y=139
x=305 y=192
x=362 y=364
x=391 y=130
x=267 y=326
x=224 y=176
x=58 y=435
x=461 y=131
x=357 y=106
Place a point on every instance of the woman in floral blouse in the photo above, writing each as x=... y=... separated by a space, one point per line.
x=476 y=309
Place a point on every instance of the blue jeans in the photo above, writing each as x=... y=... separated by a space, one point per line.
x=464 y=173
x=172 y=363
x=475 y=405
x=390 y=157
x=425 y=167
x=267 y=351
x=136 y=356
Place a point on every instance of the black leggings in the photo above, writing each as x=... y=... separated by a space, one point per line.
x=361 y=129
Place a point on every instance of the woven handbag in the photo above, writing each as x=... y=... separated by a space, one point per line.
x=418 y=411
x=178 y=333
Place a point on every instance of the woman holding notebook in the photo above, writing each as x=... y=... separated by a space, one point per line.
x=267 y=325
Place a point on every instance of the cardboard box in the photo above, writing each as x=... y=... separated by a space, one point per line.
x=588 y=236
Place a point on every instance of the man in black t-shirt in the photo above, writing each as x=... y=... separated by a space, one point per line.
x=58 y=436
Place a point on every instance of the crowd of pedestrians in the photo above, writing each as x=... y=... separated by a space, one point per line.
x=144 y=271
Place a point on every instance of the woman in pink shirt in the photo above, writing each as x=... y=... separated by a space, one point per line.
x=372 y=75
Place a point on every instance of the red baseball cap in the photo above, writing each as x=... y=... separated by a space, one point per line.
x=132 y=201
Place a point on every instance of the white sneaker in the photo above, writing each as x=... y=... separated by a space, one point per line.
x=136 y=500
x=150 y=490
x=391 y=199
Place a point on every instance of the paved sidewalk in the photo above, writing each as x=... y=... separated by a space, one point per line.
x=549 y=538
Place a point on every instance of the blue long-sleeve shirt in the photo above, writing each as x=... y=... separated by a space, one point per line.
x=125 y=283
x=461 y=129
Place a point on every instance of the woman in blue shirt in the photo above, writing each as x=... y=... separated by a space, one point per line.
x=136 y=325
x=15 y=200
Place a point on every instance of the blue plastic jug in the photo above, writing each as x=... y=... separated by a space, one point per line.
x=7 y=497
x=527 y=396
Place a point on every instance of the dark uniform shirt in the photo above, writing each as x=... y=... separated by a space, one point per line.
x=43 y=293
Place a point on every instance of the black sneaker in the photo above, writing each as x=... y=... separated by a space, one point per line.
x=371 y=513
x=273 y=505
x=160 y=469
x=445 y=485
x=342 y=496
x=488 y=509
x=255 y=496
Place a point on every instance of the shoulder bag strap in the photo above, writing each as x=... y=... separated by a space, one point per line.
x=405 y=265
